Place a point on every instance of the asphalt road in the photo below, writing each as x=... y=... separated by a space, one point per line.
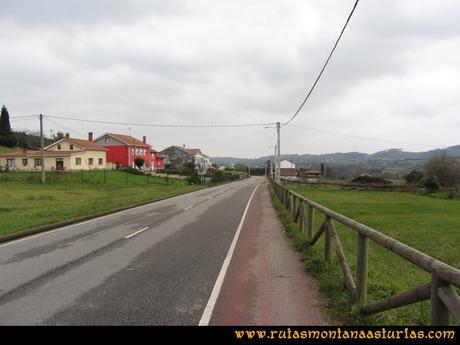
x=155 y=264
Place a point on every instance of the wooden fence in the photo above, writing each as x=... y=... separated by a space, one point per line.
x=444 y=278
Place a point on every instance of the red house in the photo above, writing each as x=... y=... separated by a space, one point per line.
x=158 y=161
x=123 y=149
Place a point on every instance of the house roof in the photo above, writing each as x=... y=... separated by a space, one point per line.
x=89 y=145
x=187 y=150
x=366 y=173
x=37 y=153
x=313 y=172
x=126 y=139
x=86 y=144
x=288 y=172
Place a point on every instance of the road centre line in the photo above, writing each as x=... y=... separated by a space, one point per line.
x=207 y=313
x=188 y=208
x=103 y=217
x=137 y=232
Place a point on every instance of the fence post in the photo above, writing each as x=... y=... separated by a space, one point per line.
x=148 y=178
x=81 y=175
x=439 y=312
x=361 y=269
x=105 y=177
x=327 y=241
x=310 y=223
x=302 y=225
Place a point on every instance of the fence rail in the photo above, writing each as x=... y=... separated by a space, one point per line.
x=444 y=278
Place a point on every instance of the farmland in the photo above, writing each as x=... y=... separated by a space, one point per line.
x=25 y=203
x=431 y=225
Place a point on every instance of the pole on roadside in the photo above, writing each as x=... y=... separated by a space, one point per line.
x=42 y=149
x=277 y=160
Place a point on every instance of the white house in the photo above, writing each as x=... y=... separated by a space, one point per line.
x=287 y=165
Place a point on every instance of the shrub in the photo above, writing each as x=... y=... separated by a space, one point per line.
x=431 y=184
x=370 y=180
x=413 y=177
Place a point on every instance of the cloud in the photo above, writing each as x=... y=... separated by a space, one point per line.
x=394 y=74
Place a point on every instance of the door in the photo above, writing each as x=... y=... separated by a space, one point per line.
x=11 y=163
x=59 y=164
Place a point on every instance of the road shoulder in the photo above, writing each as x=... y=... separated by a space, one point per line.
x=265 y=283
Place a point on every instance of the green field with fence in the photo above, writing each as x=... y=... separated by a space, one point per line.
x=430 y=225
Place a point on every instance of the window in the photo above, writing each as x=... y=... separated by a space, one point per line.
x=37 y=161
x=59 y=146
x=10 y=162
x=71 y=146
x=106 y=140
x=101 y=161
x=24 y=161
x=90 y=161
x=78 y=161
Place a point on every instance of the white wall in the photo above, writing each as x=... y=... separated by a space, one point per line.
x=287 y=164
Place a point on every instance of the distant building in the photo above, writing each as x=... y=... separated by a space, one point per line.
x=287 y=164
x=122 y=150
x=313 y=175
x=288 y=173
x=187 y=155
x=366 y=173
x=65 y=154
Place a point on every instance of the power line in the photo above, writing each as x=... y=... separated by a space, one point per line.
x=24 y=117
x=61 y=126
x=363 y=138
x=159 y=125
x=324 y=67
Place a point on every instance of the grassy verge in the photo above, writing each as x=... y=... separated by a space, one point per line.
x=26 y=205
x=427 y=224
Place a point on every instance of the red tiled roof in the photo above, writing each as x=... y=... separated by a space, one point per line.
x=127 y=139
x=288 y=172
x=85 y=144
x=313 y=172
x=37 y=153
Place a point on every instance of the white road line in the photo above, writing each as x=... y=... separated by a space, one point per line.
x=188 y=208
x=207 y=313
x=153 y=203
x=137 y=232
x=212 y=196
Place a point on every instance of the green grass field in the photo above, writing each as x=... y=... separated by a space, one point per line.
x=428 y=224
x=4 y=149
x=25 y=204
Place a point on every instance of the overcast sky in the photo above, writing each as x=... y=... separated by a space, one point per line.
x=395 y=74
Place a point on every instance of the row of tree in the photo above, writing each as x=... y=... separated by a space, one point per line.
x=437 y=172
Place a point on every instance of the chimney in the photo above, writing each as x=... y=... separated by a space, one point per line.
x=183 y=146
x=144 y=139
x=67 y=135
x=90 y=136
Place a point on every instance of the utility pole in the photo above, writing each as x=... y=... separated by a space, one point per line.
x=42 y=147
x=277 y=160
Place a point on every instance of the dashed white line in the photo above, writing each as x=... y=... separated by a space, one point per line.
x=137 y=232
x=188 y=208
x=212 y=196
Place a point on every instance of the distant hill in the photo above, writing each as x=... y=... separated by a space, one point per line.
x=390 y=156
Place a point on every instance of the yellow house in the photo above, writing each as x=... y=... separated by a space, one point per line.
x=63 y=155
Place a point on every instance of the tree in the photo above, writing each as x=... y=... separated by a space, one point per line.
x=413 y=177
x=139 y=162
x=431 y=183
x=5 y=127
x=445 y=169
